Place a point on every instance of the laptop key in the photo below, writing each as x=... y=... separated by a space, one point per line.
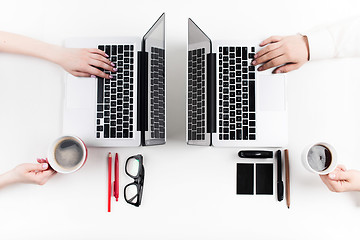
x=251 y=96
x=112 y=132
x=238 y=51
x=126 y=133
x=113 y=50
x=106 y=130
x=100 y=92
x=238 y=134
x=245 y=133
x=252 y=116
x=244 y=53
x=251 y=75
x=232 y=135
x=120 y=49
x=107 y=50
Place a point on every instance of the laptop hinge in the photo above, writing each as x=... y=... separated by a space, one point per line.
x=211 y=92
x=142 y=97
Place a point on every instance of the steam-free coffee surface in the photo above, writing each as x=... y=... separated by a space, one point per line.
x=319 y=158
x=68 y=153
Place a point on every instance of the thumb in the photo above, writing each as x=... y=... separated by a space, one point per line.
x=339 y=175
x=287 y=68
x=36 y=166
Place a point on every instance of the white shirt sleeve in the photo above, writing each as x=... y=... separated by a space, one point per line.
x=339 y=40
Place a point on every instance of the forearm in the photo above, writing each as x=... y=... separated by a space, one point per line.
x=7 y=179
x=14 y=43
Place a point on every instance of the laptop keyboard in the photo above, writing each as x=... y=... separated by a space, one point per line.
x=157 y=93
x=196 y=94
x=115 y=97
x=237 y=117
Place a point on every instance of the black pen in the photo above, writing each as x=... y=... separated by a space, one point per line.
x=280 y=184
x=255 y=154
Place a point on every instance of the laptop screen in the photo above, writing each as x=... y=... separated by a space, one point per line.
x=199 y=46
x=154 y=46
x=156 y=35
x=196 y=35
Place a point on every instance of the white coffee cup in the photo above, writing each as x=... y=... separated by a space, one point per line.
x=319 y=158
x=67 y=154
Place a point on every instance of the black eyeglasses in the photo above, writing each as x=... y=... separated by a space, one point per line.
x=134 y=168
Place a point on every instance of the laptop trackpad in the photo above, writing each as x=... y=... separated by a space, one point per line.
x=80 y=92
x=271 y=92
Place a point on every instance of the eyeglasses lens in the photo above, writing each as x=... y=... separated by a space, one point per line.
x=133 y=167
x=131 y=193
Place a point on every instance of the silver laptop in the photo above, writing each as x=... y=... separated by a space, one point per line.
x=230 y=103
x=129 y=109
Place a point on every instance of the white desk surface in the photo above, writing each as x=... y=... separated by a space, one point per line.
x=189 y=191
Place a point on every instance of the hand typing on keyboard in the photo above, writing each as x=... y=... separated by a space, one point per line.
x=285 y=53
x=78 y=62
x=85 y=62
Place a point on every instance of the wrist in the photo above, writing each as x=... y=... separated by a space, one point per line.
x=53 y=53
x=8 y=178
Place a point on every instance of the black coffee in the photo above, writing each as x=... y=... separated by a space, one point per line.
x=68 y=153
x=319 y=158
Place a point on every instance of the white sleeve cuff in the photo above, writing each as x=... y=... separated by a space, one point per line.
x=321 y=45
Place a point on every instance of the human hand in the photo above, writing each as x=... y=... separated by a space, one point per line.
x=31 y=173
x=342 y=180
x=85 y=62
x=286 y=53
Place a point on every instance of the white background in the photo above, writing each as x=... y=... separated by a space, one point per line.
x=189 y=191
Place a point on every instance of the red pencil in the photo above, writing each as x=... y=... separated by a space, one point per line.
x=116 y=182
x=109 y=182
